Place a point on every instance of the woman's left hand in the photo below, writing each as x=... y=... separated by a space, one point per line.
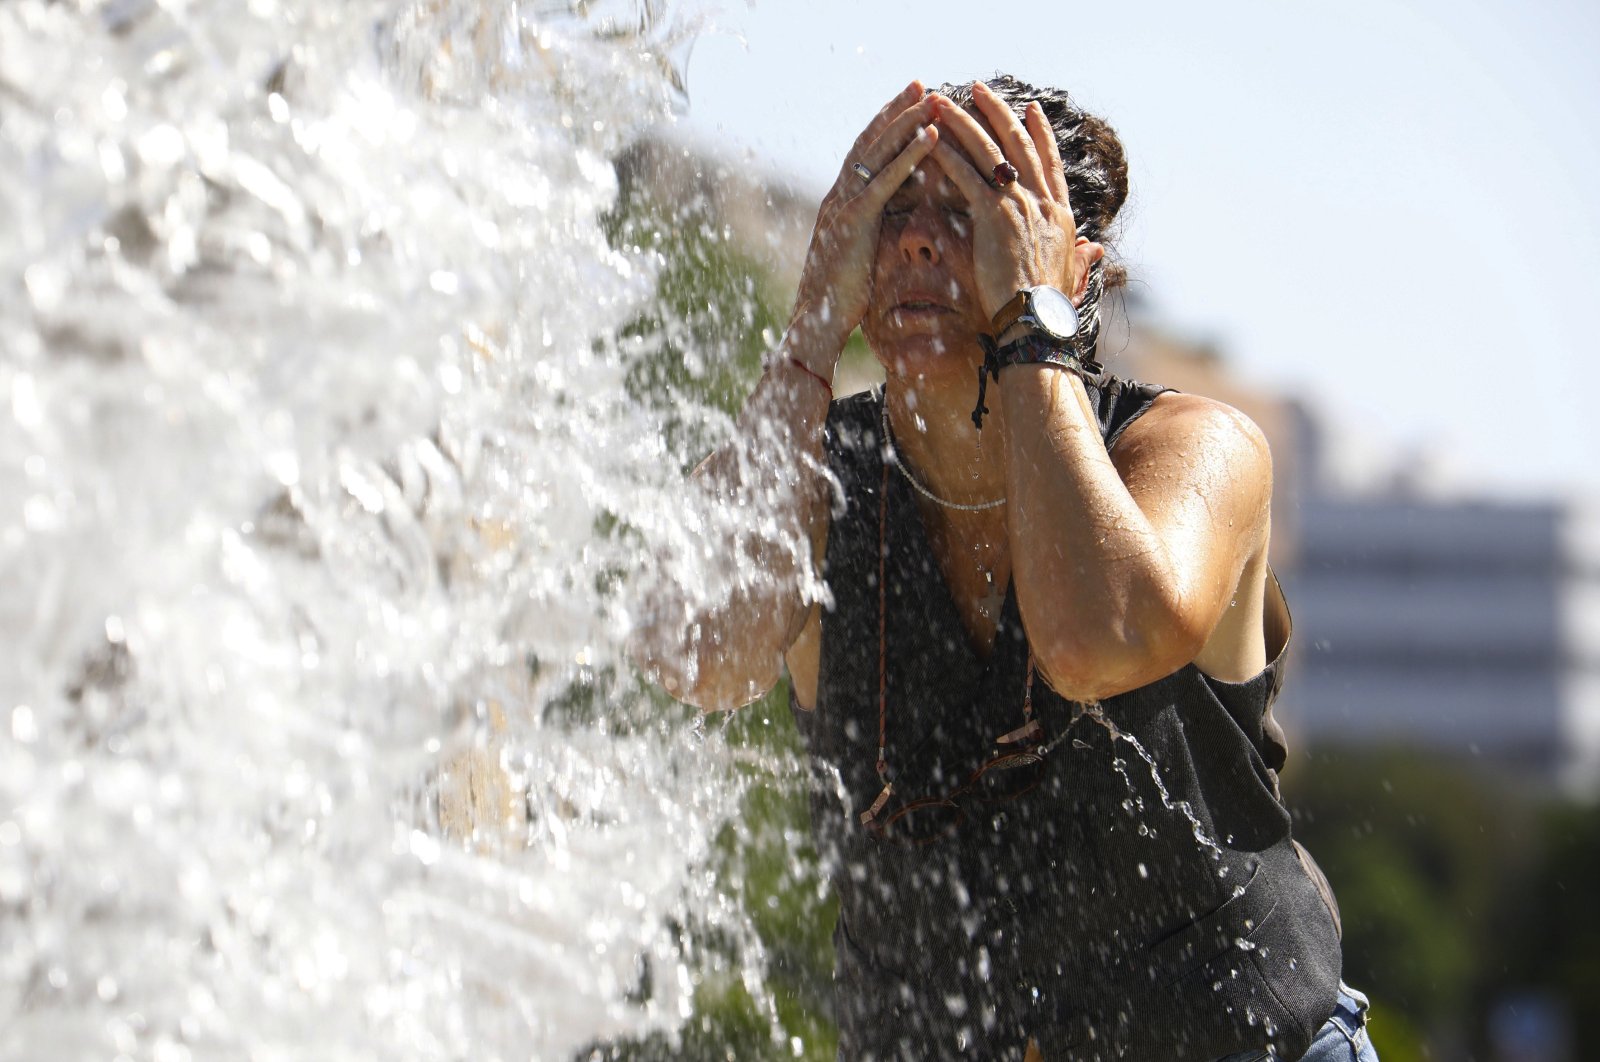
x=1024 y=232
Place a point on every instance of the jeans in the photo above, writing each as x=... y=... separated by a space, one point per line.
x=1342 y=1038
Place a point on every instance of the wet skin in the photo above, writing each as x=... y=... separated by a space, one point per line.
x=1127 y=565
x=1164 y=539
x=924 y=312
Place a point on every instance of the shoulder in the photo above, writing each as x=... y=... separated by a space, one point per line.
x=1181 y=428
x=1189 y=453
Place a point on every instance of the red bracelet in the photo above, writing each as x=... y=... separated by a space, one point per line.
x=797 y=363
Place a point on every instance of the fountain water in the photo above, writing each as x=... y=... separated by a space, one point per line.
x=316 y=422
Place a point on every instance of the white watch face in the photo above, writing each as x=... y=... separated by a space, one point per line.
x=1054 y=312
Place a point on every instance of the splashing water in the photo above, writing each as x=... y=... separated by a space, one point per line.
x=311 y=737
x=1096 y=714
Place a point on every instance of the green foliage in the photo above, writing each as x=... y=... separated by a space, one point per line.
x=766 y=860
x=702 y=339
x=1394 y=1036
x=714 y=314
x=1414 y=849
x=1551 y=921
x=768 y=855
x=1458 y=890
x=784 y=889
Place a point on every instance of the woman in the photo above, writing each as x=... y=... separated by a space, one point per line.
x=1036 y=680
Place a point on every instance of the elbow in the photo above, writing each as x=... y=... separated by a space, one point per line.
x=1084 y=662
x=712 y=697
x=710 y=679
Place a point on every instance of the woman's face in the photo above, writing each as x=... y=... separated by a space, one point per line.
x=924 y=316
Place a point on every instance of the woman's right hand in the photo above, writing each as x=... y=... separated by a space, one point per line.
x=836 y=281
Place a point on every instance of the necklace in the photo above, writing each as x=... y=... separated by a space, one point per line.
x=894 y=456
x=1023 y=746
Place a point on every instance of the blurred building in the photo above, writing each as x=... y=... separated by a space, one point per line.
x=1467 y=628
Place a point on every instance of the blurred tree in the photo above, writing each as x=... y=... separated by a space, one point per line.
x=703 y=336
x=717 y=311
x=1550 y=922
x=1417 y=851
x=769 y=866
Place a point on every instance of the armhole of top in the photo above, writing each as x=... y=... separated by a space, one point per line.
x=1276 y=629
x=1277 y=624
x=1138 y=411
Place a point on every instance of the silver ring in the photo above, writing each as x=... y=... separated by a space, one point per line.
x=862 y=172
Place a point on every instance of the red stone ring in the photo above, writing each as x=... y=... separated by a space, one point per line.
x=1005 y=175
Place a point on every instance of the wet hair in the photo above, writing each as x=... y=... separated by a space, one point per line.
x=1097 y=180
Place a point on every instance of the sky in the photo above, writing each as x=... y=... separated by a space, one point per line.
x=1389 y=209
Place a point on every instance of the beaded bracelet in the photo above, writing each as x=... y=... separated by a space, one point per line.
x=1031 y=349
x=797 y=363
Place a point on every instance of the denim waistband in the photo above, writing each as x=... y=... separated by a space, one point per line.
x=1349 y=1019
x=1350 y=1013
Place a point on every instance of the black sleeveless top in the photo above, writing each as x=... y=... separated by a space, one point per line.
x=1143 y=901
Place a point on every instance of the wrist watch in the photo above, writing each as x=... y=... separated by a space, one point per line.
x=1044 y=309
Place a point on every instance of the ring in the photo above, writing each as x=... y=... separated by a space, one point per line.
x=862 y=172
x=1005 y=175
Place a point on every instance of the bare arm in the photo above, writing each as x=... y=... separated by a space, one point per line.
x=766 y=488
x=1125 y=564
x=765 y=506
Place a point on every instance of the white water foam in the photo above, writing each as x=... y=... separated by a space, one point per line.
x=312 y=416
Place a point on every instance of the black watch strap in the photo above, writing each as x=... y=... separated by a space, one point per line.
x=1031 y=349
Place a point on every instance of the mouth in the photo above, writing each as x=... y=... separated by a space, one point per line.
x=920 y=303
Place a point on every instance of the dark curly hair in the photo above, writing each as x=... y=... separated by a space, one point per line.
x=1097 y=180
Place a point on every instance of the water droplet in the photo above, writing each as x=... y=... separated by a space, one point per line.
x=425 y=847
x=23 y=725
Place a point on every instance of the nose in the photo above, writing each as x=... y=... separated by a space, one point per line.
x=920 y=237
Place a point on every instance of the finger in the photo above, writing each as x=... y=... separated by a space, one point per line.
x=894 y=139
x=1044 y=144
x=973 y=139
x=1013 y=140
x=877 y=193
x=902 y=100
x=959 y=168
